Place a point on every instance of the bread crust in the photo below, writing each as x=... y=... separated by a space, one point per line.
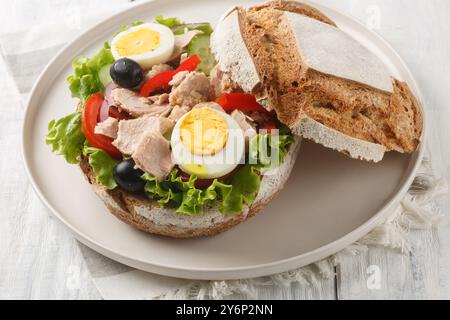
x=354 y=118
x=146 y=215
x=296 y=7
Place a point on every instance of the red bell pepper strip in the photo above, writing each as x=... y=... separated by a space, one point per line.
x=161 y=80
x=88 y=123
x=190 y=64
x=240 y=101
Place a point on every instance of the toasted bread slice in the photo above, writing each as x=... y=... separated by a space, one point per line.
x=322 y=83
x=148 y=216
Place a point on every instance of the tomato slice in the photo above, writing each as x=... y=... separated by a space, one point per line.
x=161 y=80
x=88 y=123
x=240 y=101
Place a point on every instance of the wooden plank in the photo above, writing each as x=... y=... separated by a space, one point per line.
x=388 y=274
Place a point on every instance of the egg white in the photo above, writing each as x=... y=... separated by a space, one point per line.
x=217 y=165
x=160 y=55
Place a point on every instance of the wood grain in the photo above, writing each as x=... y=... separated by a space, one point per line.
x=39 y=259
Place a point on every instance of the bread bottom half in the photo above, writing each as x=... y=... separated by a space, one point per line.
x=146 y=215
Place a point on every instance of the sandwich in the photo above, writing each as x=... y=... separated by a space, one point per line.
x=164 y=151
x=185 y=131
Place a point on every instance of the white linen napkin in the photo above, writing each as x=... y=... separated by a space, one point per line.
x=26 y=53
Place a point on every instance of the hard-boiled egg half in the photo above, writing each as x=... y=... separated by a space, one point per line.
x=207 y=143
x=147 y=44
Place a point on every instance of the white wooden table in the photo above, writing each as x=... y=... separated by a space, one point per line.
x=39 y=259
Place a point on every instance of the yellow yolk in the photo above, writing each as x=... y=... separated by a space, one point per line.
x=204 y=131
x=138 y=42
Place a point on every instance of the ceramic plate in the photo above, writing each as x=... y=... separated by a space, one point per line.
x=329 y=202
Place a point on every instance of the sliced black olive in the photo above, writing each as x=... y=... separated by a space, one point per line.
x=127 y=177
x=127 y=73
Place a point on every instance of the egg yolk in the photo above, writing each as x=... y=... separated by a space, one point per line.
x=204 y=131
x=138 y=42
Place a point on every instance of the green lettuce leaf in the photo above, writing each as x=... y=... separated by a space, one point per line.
x=128 y=26
x=204 y=27
x=187 y=199
x=200 y=46
x=269 y=151
x=85 y=81
x=102 y=165
x=169 y=22
x=245 y=185
x=179 y=27
x=66 y=137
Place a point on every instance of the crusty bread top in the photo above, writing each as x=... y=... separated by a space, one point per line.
x=231 y=52
x=296 y=7
x=329 y=50
x=355 y=107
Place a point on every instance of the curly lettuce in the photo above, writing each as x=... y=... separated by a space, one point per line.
x=86 y=81
x=102 y=165
x=241 y=189
x=66 y=137
x=171 y=22
x=269 y=151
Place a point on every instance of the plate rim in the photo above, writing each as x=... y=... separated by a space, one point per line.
x=234 y=272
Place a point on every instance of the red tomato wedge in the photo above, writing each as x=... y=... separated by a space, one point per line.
x=240 y=101
x=88 y=123
x=161 y=80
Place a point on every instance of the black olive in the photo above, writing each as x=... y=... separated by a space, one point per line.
x=127 y=73
x=127 y=177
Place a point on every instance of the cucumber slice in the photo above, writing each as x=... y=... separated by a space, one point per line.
x=200 y=46
x=104 y=76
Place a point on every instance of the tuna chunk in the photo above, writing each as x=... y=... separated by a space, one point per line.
x=245 y=123
x=178 y=78
x=153 y=155
x=131 y=131
x=157 y=69
x=192 y=90
x=108 y=128
x=177 y=113
x=161 y=99
x=136 y=105
x=221 y=82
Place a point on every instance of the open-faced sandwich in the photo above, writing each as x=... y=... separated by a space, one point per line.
x=186 y=132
